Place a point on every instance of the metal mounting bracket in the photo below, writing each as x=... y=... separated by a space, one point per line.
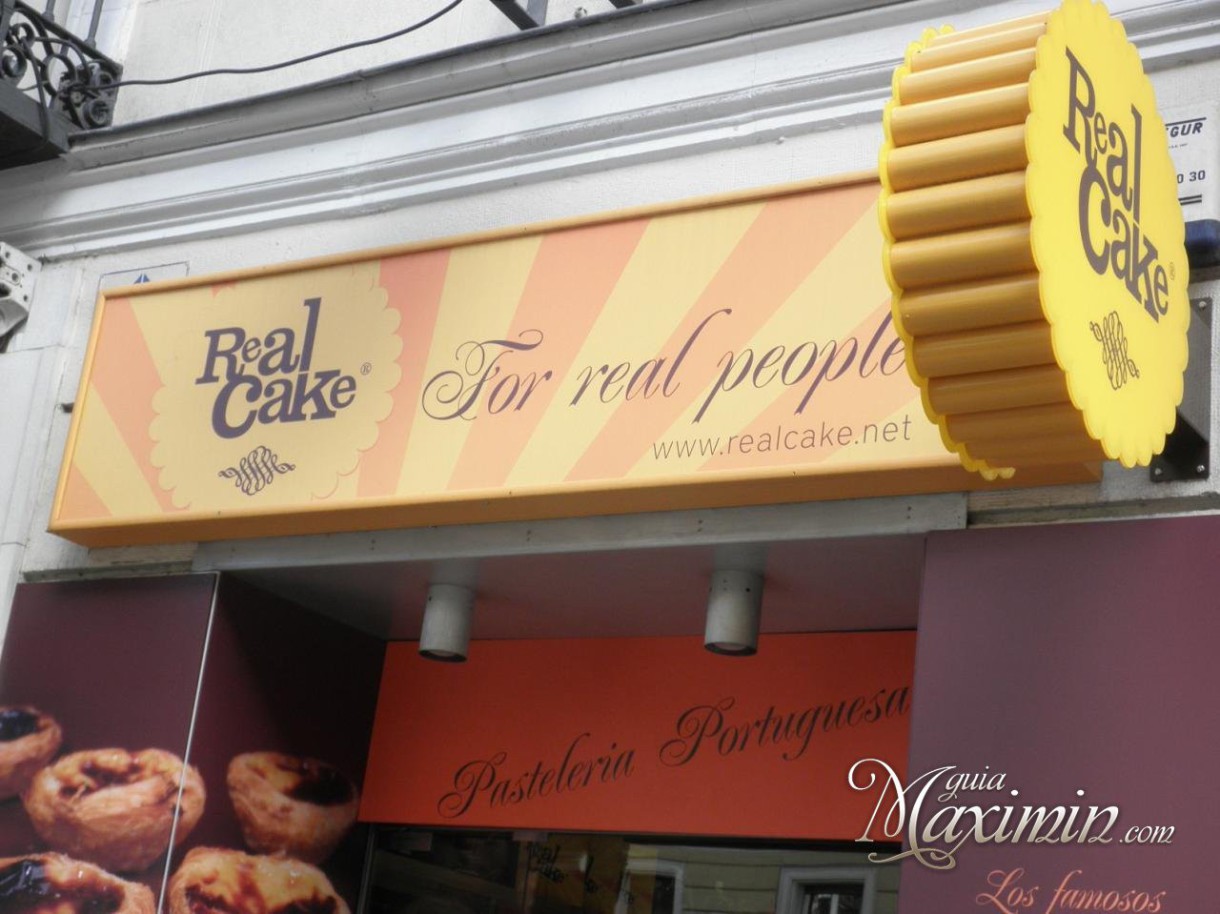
x=1187 y=453
x=530 y=16
x=533 y=14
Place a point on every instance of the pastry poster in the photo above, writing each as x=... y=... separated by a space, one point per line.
x=97 y=687
x=282 y=730
x=191 y=712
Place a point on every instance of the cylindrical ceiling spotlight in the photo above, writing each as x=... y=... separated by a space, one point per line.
x=447 y=617
x=733 y=606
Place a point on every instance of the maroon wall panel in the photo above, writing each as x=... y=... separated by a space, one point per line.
x=120 y=664
x=1072 y=658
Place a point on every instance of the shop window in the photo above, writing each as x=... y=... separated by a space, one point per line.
x=466 y=872
x=833 y=899
x=827 y=890
x=650 y=886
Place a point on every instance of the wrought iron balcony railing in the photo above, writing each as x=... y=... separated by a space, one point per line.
x=52 y=84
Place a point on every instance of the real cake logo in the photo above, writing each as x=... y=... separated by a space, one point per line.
x=277 y=387
x=1110 y=189
x=1106 y=233
x=274 y=376
x=1051 y=117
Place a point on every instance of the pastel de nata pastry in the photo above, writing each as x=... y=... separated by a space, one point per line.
x=55 y=884
x=215 y=881
x=28 y=740
x=298 y=806
x=114 y=807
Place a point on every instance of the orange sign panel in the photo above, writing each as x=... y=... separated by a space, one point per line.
x=640 y=735
x=733 y=352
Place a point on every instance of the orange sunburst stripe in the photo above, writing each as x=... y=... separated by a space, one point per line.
x=834 y=404
x=124 y=376
x=414 y=283
x=80 y=501
x=787 y=241
x=573 y=275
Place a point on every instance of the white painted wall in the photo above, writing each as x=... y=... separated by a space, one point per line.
x=692 y=99
x=173 y=37
x=156 y=39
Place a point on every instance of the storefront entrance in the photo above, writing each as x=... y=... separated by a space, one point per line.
x=474 y=872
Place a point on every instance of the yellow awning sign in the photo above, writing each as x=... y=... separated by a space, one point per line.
x=732 y=351
x=1034 y=242
x=726 y=352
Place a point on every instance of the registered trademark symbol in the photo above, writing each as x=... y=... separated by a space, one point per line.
x=366 y=368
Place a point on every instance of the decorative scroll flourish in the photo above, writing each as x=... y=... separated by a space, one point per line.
x=1119 y=366
x=256 y=470
x=60 y=71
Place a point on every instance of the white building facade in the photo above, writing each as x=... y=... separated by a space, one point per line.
x=489 y=128
x=470 y=125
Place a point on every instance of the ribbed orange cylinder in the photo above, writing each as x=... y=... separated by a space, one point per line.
x=956 y=217
x=957 y=158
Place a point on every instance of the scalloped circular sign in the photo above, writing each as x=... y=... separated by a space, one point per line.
x=1034 y=242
